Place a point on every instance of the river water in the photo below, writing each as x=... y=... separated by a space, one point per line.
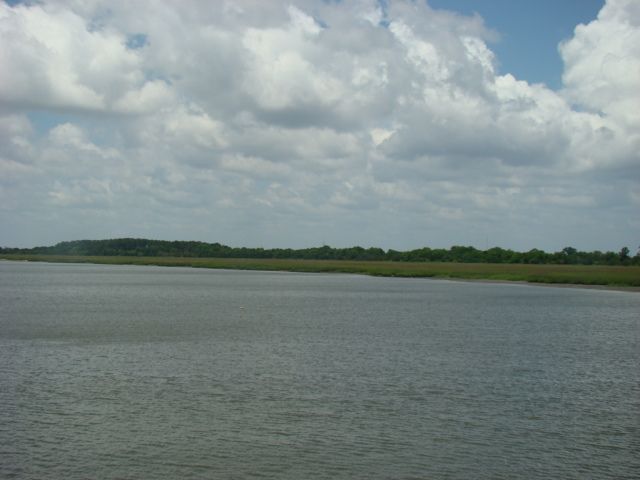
x=150 y=372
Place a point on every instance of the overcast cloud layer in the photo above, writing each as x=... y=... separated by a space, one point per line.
x=300 y=123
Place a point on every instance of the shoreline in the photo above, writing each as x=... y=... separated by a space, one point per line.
x=582 y=286
x=622 y=279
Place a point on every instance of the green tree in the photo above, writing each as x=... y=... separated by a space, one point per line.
x=624 y=255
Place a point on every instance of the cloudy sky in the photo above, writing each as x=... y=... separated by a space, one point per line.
x=297 y=123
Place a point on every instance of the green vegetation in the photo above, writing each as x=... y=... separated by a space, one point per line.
x=140 y=247
x=568 y=266
x=559 y=274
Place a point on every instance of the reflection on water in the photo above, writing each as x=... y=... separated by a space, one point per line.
x=148 y=372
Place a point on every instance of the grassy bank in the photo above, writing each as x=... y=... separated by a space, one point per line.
x=555 y=274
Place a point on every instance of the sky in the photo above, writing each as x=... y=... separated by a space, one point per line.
x=396 y=124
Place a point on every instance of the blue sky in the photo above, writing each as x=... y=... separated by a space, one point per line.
x=296 y=123
x=530 y=32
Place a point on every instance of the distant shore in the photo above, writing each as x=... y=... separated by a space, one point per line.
x=616 y=288
x=581 y=276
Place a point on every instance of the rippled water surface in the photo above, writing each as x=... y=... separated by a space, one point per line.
x=150 y=372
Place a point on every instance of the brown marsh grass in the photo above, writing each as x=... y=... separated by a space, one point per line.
x=554 y=274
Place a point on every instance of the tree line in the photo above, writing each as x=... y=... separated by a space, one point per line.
x=462 y=254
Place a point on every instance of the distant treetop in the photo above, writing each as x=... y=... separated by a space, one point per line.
x=142 y=247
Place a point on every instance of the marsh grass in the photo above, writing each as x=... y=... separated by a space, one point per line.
x=555 y=274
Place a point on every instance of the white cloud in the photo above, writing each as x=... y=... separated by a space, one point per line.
x=602 y=62
x=254 y=166
x=241 y=121
x=193 y=126
x=153 y=96
x=53 y=58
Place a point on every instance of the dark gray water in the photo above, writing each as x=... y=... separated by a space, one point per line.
x=150 y=372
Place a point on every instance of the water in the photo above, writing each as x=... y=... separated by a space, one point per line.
x=149 y=372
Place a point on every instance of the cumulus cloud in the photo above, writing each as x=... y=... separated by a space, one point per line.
x=296 y=123
x=602 y=63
